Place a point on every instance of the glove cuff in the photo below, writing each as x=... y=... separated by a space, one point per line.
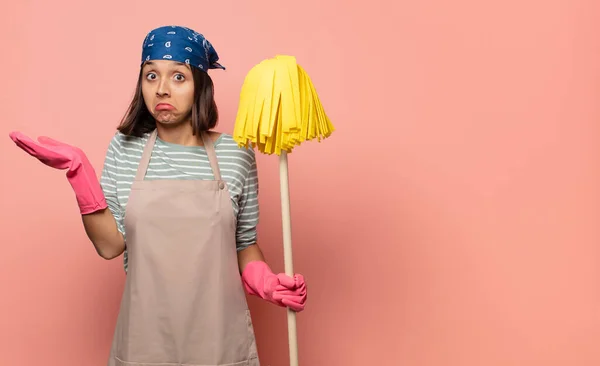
x=87 y=188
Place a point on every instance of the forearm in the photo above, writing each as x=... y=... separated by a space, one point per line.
x=249 y=254
x=101 y=229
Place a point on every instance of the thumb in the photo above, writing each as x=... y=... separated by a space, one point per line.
x=286 y=281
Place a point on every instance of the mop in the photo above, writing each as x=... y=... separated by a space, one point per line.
x=279 y=109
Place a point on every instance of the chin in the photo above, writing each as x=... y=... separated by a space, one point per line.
x=169 y=122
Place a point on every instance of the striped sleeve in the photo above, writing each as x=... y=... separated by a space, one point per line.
x=248 y=213
x=108 y=182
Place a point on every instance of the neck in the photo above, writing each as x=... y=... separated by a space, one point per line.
x=179 y=134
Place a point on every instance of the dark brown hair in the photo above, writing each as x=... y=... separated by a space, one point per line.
x=138 y=120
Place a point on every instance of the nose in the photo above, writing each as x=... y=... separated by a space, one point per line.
x=163 y=88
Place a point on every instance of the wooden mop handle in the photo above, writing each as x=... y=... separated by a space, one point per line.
x=287 y=251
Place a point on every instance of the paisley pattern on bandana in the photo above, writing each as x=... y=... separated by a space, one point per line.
x=182 y=44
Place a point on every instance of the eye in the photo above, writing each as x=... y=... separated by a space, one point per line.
x=150 y=76
x=179 y=77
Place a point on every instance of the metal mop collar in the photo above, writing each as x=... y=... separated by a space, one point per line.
x=182 y=44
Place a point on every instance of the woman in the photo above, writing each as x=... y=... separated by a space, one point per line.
x=180 y=202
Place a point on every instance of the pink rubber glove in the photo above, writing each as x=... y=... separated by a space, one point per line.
x=278 y=289
x=80 y=174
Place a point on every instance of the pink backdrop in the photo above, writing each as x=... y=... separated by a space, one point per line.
x=451 y=220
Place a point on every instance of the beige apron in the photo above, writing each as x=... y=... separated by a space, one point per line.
x=183 y=302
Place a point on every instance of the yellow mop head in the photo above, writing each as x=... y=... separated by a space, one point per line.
x=279 y=108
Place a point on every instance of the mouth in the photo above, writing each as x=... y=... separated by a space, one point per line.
x=164 y=107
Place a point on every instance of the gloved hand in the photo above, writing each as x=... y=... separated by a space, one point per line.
x=80 y=173
x=278 y=289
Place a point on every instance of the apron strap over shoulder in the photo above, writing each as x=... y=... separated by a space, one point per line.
x=141 y=171
x=212 y=155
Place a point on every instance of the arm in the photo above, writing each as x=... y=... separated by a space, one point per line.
x=249 y=254
x=104 y=228
x=101 y=229
x=247 y=219
x=257 y=277
x=99 y=224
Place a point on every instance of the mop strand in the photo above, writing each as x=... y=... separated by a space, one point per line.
x=279 y=108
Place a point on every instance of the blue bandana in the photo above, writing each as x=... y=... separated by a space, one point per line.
x=181 y=44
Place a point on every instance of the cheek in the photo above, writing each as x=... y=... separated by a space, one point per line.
x=185 y=96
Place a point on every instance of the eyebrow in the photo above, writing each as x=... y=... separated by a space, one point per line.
x=150 y=63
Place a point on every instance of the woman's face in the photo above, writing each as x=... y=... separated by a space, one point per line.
x=168 y=90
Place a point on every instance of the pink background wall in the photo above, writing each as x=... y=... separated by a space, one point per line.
x=460 y=194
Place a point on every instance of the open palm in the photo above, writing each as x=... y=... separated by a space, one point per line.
x=50 y=152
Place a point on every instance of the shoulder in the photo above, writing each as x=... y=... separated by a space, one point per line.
x=227 y=145
x=120 y=141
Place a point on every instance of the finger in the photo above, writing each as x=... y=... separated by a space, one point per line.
x=286 y=281
x=300 y=299
x=26 y=147
x=41 y=152
x=50 y=141
x=13 y=135
x=295 y=288
x=301 y=284
x=287 y=291
x=289 y=294
x=17 y=136
x=24 y=143
x=292 y=305
x=299 y=280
